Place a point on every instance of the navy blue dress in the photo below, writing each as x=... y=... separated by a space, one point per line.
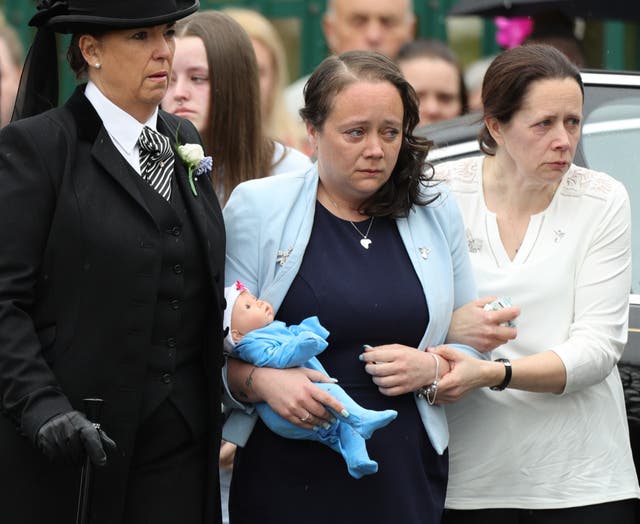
x=362 y=297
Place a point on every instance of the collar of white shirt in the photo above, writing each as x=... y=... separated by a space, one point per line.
x=123 y=129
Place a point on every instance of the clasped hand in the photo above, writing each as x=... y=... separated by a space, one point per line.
x=69 y=437
x=397 y=369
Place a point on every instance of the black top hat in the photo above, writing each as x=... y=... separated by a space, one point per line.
x=38 y=89
x=69 y=16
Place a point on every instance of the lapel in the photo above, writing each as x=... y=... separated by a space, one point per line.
x=90 y=129
x=417 y=235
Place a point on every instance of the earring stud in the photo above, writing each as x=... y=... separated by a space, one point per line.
x=98 y=65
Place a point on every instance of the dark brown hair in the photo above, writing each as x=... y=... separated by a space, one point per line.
x=431 y=48
x=509 y=78
x=76 y=61
x=403 y=190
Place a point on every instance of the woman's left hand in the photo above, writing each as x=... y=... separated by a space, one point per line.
x=483 y=330
x=398 y=369
x=466 y=373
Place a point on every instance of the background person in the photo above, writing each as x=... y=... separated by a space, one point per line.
x=555 y=238
x=361 y=242
x=551 y=27
x=11 y=55
x=473 y=77
x=348 y=25
x=112 y=288
x=274 y=77
x=214 y=83
x=558 y=30
x=434 y=71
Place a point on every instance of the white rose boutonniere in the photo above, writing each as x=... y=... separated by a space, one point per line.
x=192 y=155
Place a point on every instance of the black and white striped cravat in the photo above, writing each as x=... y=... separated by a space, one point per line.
x=156 y=161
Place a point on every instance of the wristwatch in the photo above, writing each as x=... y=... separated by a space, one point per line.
x=507 y=375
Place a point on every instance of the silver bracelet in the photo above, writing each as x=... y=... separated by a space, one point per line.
x=429 y=392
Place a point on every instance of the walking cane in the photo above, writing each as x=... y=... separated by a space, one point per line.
x=92 y=408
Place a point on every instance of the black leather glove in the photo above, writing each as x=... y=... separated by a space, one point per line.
x=69 y=437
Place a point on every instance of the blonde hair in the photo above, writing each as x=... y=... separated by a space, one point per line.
x=12 y=41
x=277 y=121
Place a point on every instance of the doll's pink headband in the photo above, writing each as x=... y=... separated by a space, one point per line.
x=231 y=294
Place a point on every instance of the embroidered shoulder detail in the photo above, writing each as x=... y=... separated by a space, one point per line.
x=580 y=181
x=461 y=175
x=473 y=244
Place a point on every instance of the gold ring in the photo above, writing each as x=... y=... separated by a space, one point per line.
x=306 y=418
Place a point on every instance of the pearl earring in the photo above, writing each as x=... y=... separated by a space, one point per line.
x=98 y=65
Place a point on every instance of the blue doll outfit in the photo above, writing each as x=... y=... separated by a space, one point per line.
x=280 y=346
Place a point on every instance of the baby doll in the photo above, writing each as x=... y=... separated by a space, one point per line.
x=255 y=337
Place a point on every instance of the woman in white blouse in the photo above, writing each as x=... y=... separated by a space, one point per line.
x=541 y=433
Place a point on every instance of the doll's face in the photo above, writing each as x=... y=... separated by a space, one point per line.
x=248 y=314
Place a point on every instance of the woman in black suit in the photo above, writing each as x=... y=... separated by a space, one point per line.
x=111 y=273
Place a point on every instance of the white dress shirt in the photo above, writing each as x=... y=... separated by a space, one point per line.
x=123 y=129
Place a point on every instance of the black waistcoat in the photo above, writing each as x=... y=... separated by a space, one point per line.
x=175 y=369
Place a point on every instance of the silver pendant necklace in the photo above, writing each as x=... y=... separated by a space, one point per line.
x=365 y=241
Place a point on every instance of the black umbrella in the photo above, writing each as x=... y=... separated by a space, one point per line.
x=616 y=9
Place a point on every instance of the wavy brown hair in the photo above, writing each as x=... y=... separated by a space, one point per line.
x=404 y=189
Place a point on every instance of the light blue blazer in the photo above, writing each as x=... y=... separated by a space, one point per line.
x=268 y=223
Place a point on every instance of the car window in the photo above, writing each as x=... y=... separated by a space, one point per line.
x=611 y=143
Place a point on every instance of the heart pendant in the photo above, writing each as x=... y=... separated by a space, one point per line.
x=365 y=243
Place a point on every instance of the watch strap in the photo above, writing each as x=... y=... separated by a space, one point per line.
x=507 y=375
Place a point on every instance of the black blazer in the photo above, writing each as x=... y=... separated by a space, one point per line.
x=79 y=268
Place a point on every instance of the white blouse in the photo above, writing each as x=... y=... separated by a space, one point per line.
x=571 y=277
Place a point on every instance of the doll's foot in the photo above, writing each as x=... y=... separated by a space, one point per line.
x=354 y=451
x=367 y=421
x=364 y=421
x=361 y=469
